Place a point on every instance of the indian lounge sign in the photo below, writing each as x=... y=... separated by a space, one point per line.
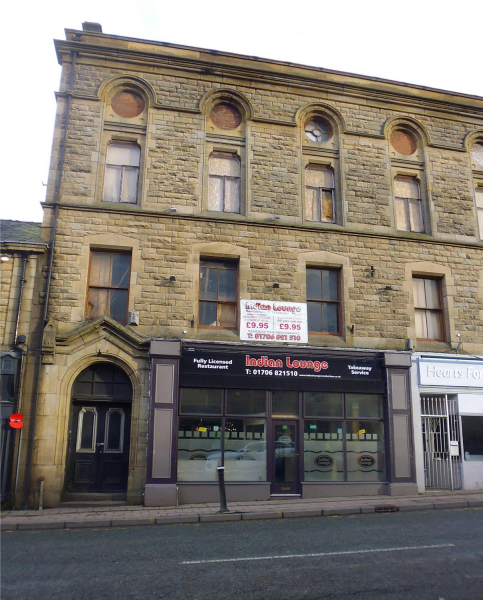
x=274 y=370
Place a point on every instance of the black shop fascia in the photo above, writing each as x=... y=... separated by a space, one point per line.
x=307 y=369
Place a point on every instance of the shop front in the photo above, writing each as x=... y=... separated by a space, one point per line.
x=282 y=421
x=448 y=420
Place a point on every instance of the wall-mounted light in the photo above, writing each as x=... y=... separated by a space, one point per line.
x=4 y=258
x=173 y=209
x=275 y=286
x=458 y=335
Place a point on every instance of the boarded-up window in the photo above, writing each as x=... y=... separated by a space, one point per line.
x=319 y=194
x=409 y=214
x=122 y=173
x=479 y=209
x=224 y=183
x=428 y=308
x=109 y=285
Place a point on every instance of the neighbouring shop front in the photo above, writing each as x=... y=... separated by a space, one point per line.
x=282 y=421
x=448 y=419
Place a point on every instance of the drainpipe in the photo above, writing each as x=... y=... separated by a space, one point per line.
x=19 y=387
x=57 y=194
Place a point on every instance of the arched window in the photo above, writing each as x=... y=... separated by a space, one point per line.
x=319 y=194
x=224 y=183
x=122 y=173
x=409 y=214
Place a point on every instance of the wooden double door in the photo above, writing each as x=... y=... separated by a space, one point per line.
x=99 y=447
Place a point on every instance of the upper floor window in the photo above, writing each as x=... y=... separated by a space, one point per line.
x=319 y=194
x=428 y=308
x=479 y=208
x=108 y=293
x=218 y=293
x=318 y=131
x=224 y=183
x=323 y=300
x=477 y=155
x=403 y=142
x=122 y=173
x=409 y=214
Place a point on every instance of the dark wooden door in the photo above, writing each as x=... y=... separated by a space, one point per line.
x=99 y=447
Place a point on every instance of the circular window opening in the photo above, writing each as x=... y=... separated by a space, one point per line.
x=403 y=142
x=127 y=104
x=477 y=154
x=226 y=116
x=318 y=131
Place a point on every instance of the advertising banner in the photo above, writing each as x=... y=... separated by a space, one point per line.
x=266 y=320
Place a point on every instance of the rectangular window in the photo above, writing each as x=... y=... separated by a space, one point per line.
x=224 y=183
x=323 y=300
x=472 y=428
x=319 y=194
x=428 y=308
x=409 y=214
x=218 y=294
x=108 y=293
x=236 y=438
x=479 y=209
x=122 y=173
x=338 y=445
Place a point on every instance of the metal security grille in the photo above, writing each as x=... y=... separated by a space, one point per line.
x=441 y=442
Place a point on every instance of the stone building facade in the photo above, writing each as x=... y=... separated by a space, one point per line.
x=184 y=181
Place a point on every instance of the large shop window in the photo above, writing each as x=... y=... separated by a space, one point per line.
x=323 y=300
x=122 y=173
x=343 y=434
x=344 y=437
x=428 y=308
x=109 y=285
x=231 y=422
x=472 y=437
x=218 y=293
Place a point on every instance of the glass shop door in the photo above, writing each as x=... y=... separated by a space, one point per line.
x=285 y=458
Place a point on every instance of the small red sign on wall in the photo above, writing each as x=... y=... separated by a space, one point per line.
x=16 y=421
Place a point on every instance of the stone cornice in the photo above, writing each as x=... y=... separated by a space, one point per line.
x=416 y=238
x=209 y=63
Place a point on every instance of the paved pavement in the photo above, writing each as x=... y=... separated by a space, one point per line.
x=277 y=508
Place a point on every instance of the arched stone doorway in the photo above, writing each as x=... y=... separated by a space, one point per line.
x=99 y=431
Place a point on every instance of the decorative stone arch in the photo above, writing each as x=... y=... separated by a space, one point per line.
x=95 y=356
x=434 y=270
x=414 y=126
x=213 y=97
x=323 y=111
x=111 y=86
x=473 y=137
x=335 y=261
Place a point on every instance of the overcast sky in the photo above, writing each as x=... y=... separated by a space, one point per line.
x=427 y=42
